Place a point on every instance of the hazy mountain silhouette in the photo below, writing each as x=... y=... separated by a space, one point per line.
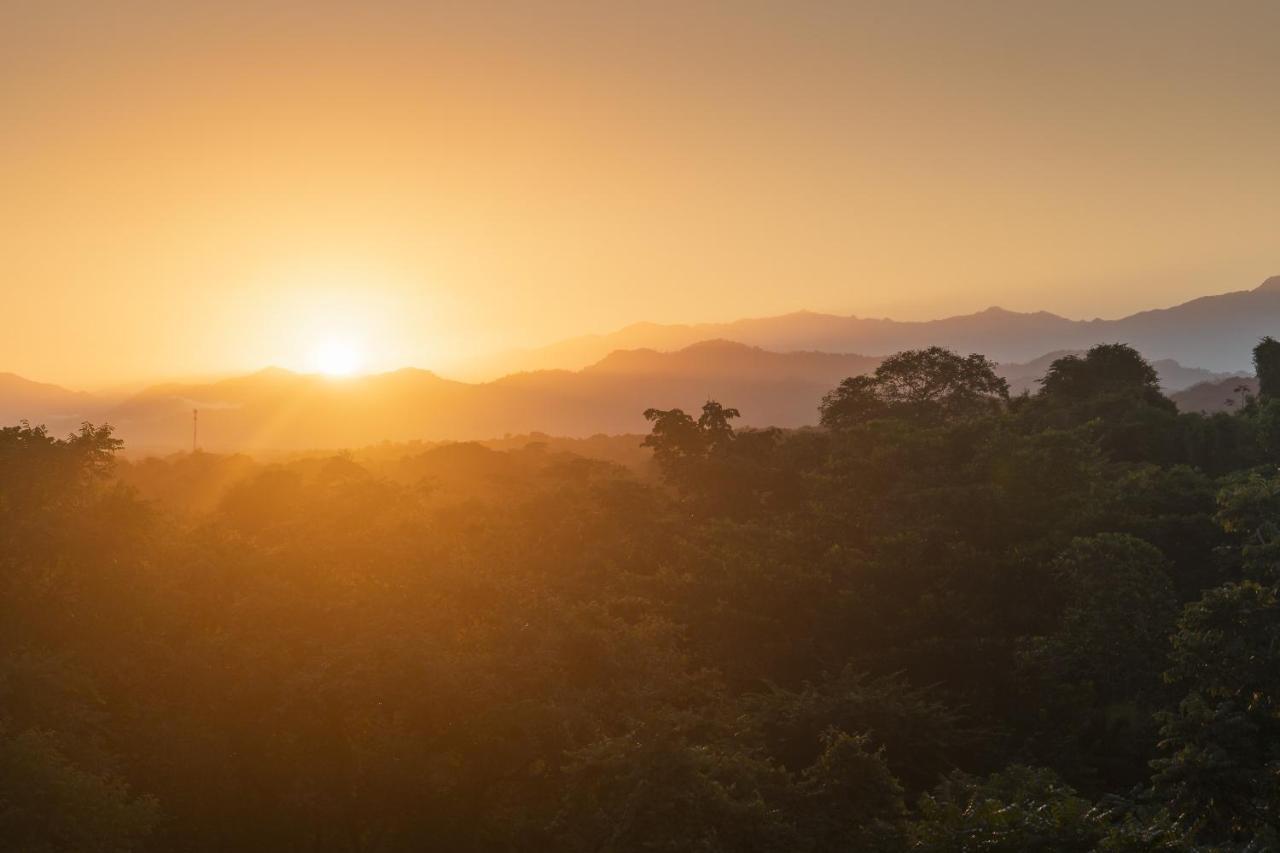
x=774 y=369
x=1213 y=332
x=39 y=401
x=277 y=409
x=1221 y=395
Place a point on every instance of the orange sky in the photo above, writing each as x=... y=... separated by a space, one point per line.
x=206 y=187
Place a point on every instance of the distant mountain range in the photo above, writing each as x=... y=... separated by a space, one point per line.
x=1215 y=333
x=774 y=369
x=276 y=409
x=39 y=401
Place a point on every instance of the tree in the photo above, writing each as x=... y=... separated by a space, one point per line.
x=1021 y=810
x=38 y=471
x=1119 y=610
x=1104 y=369
x=856 y=400
x=928 y=384
x=677 y=438
x=1096 y=675
x=662 y=790
x=1173 y=509
x=849 y=799
x=49 y=805
x=1113 y=389
x=1265 y=418
x=68 y=539
x=1248 y=508
x=1223 y=739
x=714 y=425
x=708 y=463
x=1028 y=809
x=1266 y=364
x=655 y=790
x=919 y=737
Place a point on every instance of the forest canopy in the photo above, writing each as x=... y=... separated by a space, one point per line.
x=946 y=619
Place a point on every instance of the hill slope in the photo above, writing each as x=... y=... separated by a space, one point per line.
x=1222 y=395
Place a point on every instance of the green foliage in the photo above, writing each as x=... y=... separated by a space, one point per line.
x=657 y=791
x=1119 y=608
x=791 y=636
x=1266 y=422
x=1113 y=389
x=1266 y=364
x=1249 y=508
x=1105 y=369
x=849 y=799
x=1022 y=810
x=1223 y=738
x=1173 y=508
x=677 y=437
x=40 y=474
x=1096 y=675
x=716 y=470
x=684 y=447
x=927 y=384
x=919 y=737
x=49 y=805
x=1220 y=443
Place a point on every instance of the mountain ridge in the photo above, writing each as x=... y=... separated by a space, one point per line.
x=278 y=409
x=1215 y=332
x=777 y=382
x=26 y=398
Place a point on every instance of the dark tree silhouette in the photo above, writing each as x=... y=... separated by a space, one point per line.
x=1106 y=368
x=927 y=384
x=677 y=438
x=1266 y=364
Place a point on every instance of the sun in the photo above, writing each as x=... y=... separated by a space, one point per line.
x=336 y=357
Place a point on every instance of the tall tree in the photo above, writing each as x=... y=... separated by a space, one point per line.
x=1223 y=770
x=926 y=384
x=1115 y=390
x=1266 y=364
x=1105 y=368
x=676 y=438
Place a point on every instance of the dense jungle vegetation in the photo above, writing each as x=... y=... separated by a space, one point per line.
x=944 y=620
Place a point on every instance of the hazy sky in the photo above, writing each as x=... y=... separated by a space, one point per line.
x=214 y=186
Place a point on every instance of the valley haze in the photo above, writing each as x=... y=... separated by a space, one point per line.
x=775 y=370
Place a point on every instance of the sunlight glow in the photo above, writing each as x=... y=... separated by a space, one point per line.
x=336 y=357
